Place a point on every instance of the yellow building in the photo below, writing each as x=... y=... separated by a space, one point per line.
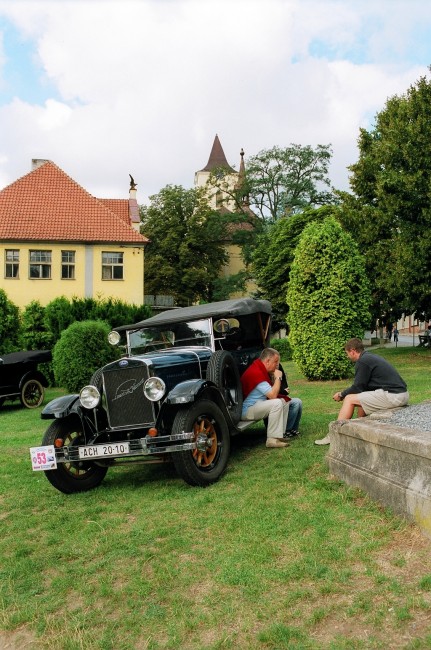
x=56 y=239
x=221 y=201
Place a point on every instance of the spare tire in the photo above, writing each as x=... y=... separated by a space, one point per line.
x=223 y=371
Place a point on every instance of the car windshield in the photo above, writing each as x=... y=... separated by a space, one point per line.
x=149 y=339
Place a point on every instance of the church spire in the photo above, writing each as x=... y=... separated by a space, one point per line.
x=217 y=158
x=241 y=180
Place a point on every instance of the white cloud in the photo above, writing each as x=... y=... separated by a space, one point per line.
x=144 y=85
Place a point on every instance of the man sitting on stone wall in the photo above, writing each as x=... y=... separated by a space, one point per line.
x=376 y=386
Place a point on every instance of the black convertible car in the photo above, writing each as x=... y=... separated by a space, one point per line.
x=175 y=395
x=21 y=379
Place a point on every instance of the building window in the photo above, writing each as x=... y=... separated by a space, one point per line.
x=12 y=264
x=40 y=265
x=67 y=265
x=112 y=266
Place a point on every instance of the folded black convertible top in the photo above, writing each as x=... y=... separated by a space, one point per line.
x=222 y=309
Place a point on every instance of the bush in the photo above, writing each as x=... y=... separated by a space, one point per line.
x=61 y=312
x=34 y=335
x=58 y=317
x=9 y=325
x=82 y=348
x=283 y=347
x=118 y=313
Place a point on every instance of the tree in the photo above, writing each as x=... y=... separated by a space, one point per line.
x=186 y=251
x=275 y=184
x=390 y=208
x=328 y=298
x=273 y=257
x=278 y=182
x=281 y=182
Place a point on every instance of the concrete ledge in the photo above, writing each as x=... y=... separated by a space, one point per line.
x=391 y=464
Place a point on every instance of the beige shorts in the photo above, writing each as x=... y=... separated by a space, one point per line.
x=378 y=400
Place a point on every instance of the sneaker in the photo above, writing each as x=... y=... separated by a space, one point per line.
x=323 y=441
x=276 y=442
x=291 y=433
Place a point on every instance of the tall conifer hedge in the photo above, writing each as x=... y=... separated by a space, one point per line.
x=328 y=298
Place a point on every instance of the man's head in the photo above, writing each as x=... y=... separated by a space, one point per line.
x=270 y=359
x=354 y=348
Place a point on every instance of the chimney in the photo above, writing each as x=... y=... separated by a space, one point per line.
x=135 y=221
x=37 y=162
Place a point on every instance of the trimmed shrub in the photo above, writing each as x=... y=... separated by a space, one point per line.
x=283 y=347
x=329 y=300
x=82 y=348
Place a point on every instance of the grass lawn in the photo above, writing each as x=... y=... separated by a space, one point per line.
x=277 y=554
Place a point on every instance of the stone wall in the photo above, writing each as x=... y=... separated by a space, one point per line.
x=392 y=464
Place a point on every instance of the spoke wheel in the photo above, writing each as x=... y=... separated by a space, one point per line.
x=77 y=476
x=205 y=464
x=32 y=394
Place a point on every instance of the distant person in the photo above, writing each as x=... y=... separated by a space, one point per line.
x=389 y=331
x=261 y=396
x=376 y=386
x=396 y=334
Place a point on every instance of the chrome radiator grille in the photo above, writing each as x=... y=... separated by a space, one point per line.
x=126 y=404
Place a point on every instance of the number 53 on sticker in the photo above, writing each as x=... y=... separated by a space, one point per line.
x=43 y=458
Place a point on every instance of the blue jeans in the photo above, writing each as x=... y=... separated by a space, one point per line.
x=295 y=412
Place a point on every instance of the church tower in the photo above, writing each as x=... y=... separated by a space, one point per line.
x=221 y=202
x=216 y=159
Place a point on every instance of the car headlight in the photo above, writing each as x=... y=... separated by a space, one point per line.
x=154 y=389
x=89 y=397
x=114 y=338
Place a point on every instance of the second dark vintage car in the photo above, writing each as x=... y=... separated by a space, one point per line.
x=175 y=395
x=21 y=378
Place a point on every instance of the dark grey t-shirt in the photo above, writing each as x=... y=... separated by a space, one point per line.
x=373 y=372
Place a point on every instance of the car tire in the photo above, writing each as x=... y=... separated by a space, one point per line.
x=223 y=371
x=77 y=476
x=32 y=394
x=202 y=467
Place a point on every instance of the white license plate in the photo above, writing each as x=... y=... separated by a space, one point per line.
x=102 y=451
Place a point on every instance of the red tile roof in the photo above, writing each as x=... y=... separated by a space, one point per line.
x=119 y=207
x=48 y=205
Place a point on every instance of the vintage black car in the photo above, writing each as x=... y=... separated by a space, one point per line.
x=20 y=377
x=175 y=395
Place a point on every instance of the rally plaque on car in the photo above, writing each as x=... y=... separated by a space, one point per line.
x=43 y=458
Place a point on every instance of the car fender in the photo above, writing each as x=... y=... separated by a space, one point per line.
x=190 y=391
x=186 y=391
x=33 y=374
x=62 y=407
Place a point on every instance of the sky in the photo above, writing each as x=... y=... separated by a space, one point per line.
x=108 y=88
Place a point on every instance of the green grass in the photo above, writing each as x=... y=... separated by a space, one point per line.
x=276 y=555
